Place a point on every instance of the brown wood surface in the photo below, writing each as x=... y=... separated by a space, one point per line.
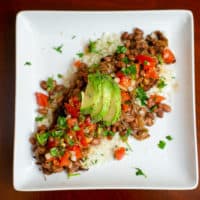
x=8 y=10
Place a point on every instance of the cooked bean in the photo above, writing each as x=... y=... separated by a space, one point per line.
x=43 y=85
x=166 y=108
x=59 y=88
x=42 y=111
x=127 y=43
x=120 y=64
x=41 y=128
x=141 y=134
x=159 y=113
x=95 y=141
x=124 y=36
x=121 y=56
x=131 y=57
x=107 y=58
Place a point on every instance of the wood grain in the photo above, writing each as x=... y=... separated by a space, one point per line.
x=8 y=10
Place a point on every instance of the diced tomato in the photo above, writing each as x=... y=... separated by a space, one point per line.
x=157 y=98
x=125 y=81
x=143 y=58
x=56 y=162
x=42 y=99
x=64 y=161
x=71 y=122
x=151 y=74
x=51 y=143
x=125 y=96
x=77 y=63
x=119 y=153
x=77 y=151
x=126 y=107
x=120 y=74
x=73 y=111
x=87 y=121
x=75 y=101
x=84 y=142
x=80 y=134
x=92 y=127
x=168 y=56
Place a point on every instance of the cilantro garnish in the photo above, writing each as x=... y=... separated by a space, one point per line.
x=161 y=84
x=161 y=144
x=58 y=48
x=39 y=119
x=80 y=55
x=125 y=60
x=27 y=63
x=141 y=95
x=139 y=172
x=59 y=75
x=121 y=49
x=69 y=175
x=92 y=47
x=49 y=84
x=131 y=70
x=169 y=137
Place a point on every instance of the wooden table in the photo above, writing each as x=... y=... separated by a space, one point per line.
x=8 y=10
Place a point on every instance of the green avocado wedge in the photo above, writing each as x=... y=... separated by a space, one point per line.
x=101 y=109
x=114 y=112
x=93 y=93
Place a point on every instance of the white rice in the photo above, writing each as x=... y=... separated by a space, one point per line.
x=105 y=45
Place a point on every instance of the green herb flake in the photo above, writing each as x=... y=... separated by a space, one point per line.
x=141 y=95
x=125 y=137
x=125 y=60
x=69 y=140
x=169 y=137
x=131 y=70
x=76 y=127
x=27 y=63
x=139 y=172
x=161 y=144
x=73 y=37
x=58 y=48
x=160 y=60
x=121 y=49
x=50 y=84
x=54 y=152
x=146 y=62
x=80 y=55
x=108 y=133
x=59 y=75
x=92 y=47
x=161 y=84
x=42 y=138
x=61 y=122
x=153 y=108
x=39 y=119
x=57 y=133
x=69 y=175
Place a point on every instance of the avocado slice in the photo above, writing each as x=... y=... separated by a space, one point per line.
x=101 y=109
x=114 y=112
x=92 y=95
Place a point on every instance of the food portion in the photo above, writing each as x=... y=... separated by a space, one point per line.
x=117 y=92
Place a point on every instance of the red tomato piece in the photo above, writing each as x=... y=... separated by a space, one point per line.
x=42 y=99
x=119 y=153
x=168 y=56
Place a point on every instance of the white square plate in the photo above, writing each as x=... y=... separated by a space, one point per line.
x=175 y=167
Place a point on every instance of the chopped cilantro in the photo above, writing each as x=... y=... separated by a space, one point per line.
x=161 y=144
x=57 y=133
x=54 y=152
x=139 y=172
x=131 y=70
x=69 y=140
x=125 y=137
x=61 y=122
x=141 y=95
x=39 y=119
x=160 y=60
x=59 y=75
x=161 y=84
x=92 y=47
x=50 y=84
x=153 y=108
x=76 y=127
x=80 y=55
x=69 y=175
x=58 y=48
x=169 y=137
x=73 y=37
x=108 y=133
x=121 y=49
x=125 y=60
x=27 y=63
x=42 y=138
x=146 y=62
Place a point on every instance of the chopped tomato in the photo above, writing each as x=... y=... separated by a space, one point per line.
x=51 y=143
x=71 y=122
x=80 y=134
x=151 y=74
x=92 y=127
x=74 y=101
x=125 y=81
x=87 y=121
x=84 y=142
x=73 y=111
x=64 y=161
x=42 y=99
x=77 y=151
x=125 y=96
x=168 y=56
x=126 y=107
x=56 y=162
x=119 y=153
x=148 y=59
x=120 y=74
x=157 y=98
x=77 y=63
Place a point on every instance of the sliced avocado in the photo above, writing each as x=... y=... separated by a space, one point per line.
x=114 y=112
x=92 y=95
x=101 y=109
